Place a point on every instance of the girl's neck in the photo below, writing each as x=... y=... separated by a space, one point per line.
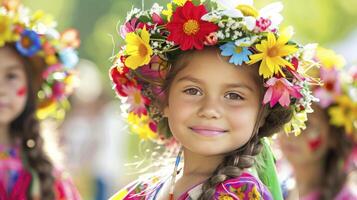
x=200 y=165
x=197 y=168
x=309 y=177
x=4 y=135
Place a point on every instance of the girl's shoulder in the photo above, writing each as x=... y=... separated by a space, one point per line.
x=246 y=186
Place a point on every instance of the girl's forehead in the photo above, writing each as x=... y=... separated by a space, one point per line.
x=208 y=65
x=9 y=60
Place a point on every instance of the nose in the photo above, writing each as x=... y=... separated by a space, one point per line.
x=209 y=108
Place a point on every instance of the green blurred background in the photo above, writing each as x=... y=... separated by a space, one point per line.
x=328 y=22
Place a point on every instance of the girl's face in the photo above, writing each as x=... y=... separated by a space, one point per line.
x=213 y=105
x=13 y=86
x=311 y=145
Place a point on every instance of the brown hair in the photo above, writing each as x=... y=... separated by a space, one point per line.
x=334 y=176
x=269 y=121
x=26 y=128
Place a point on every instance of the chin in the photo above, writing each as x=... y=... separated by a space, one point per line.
x=206 y=149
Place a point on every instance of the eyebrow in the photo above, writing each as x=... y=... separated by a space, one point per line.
x=230 y=85
x=12 y=67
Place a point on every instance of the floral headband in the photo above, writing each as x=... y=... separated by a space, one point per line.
x=242 y=33
x=338 y=93
x=34 y=35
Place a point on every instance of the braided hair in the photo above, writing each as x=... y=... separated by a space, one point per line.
x=26 y=128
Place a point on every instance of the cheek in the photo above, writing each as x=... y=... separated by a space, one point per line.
x=241 y=118
x=314 y=144
x=21 y=92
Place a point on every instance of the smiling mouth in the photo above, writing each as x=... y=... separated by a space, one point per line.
x=208 y=131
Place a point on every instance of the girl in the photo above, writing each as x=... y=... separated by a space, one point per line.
x=29 y=63
x=324 y=158
x=217 y=81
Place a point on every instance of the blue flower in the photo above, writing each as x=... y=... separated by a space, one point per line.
x=239 y=54
x=29 y=43
x=68 y=57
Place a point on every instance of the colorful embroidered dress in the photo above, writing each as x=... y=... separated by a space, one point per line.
x=16 y=181
x=244 y=187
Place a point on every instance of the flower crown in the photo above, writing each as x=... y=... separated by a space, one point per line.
x=338 y=93
x=34 y=36
x=242 y=33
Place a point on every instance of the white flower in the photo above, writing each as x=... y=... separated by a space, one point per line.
x=221 y=24
x=246 y=42
x=133 y=12
x=309 y=51
x=230 y=7
x=213 y=16
x=249 y=22
x=156 y=8
x=271 y=12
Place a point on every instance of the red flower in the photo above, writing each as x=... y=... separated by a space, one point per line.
x=187 y=29
x=120 y=79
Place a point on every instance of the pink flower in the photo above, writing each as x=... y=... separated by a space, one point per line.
x=136 y=100
x=211 y=39
x=262 y=24
x=157 y=19
x=130 y=26
x=330 y=88
x=279 y=90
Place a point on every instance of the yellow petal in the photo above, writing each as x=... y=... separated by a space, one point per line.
x=285 y=35
x=255 y=58
x=132 y=39
x=287 y=50
x=264 y=70
x=135 y=61
x=145 y=36
x=271 y=40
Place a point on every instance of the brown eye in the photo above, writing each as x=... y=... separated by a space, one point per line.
x=233 y=96
x=11 y=76
x=192 y=91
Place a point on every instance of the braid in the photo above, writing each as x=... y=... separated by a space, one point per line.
x=334 y=175
x=26 y=128
x=232 y=166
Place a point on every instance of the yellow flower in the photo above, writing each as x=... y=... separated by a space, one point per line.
x=240 y=193
x=297 y=123
x=168 y=12
x=344 y=114
x=41 y=17
x=140 y=126
x=45 y=109
x=180 y=2
x=271 y=53
x=138 y=49
x=329 y=59
x=225 y=197
x=5 y=30
x=254 y=194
